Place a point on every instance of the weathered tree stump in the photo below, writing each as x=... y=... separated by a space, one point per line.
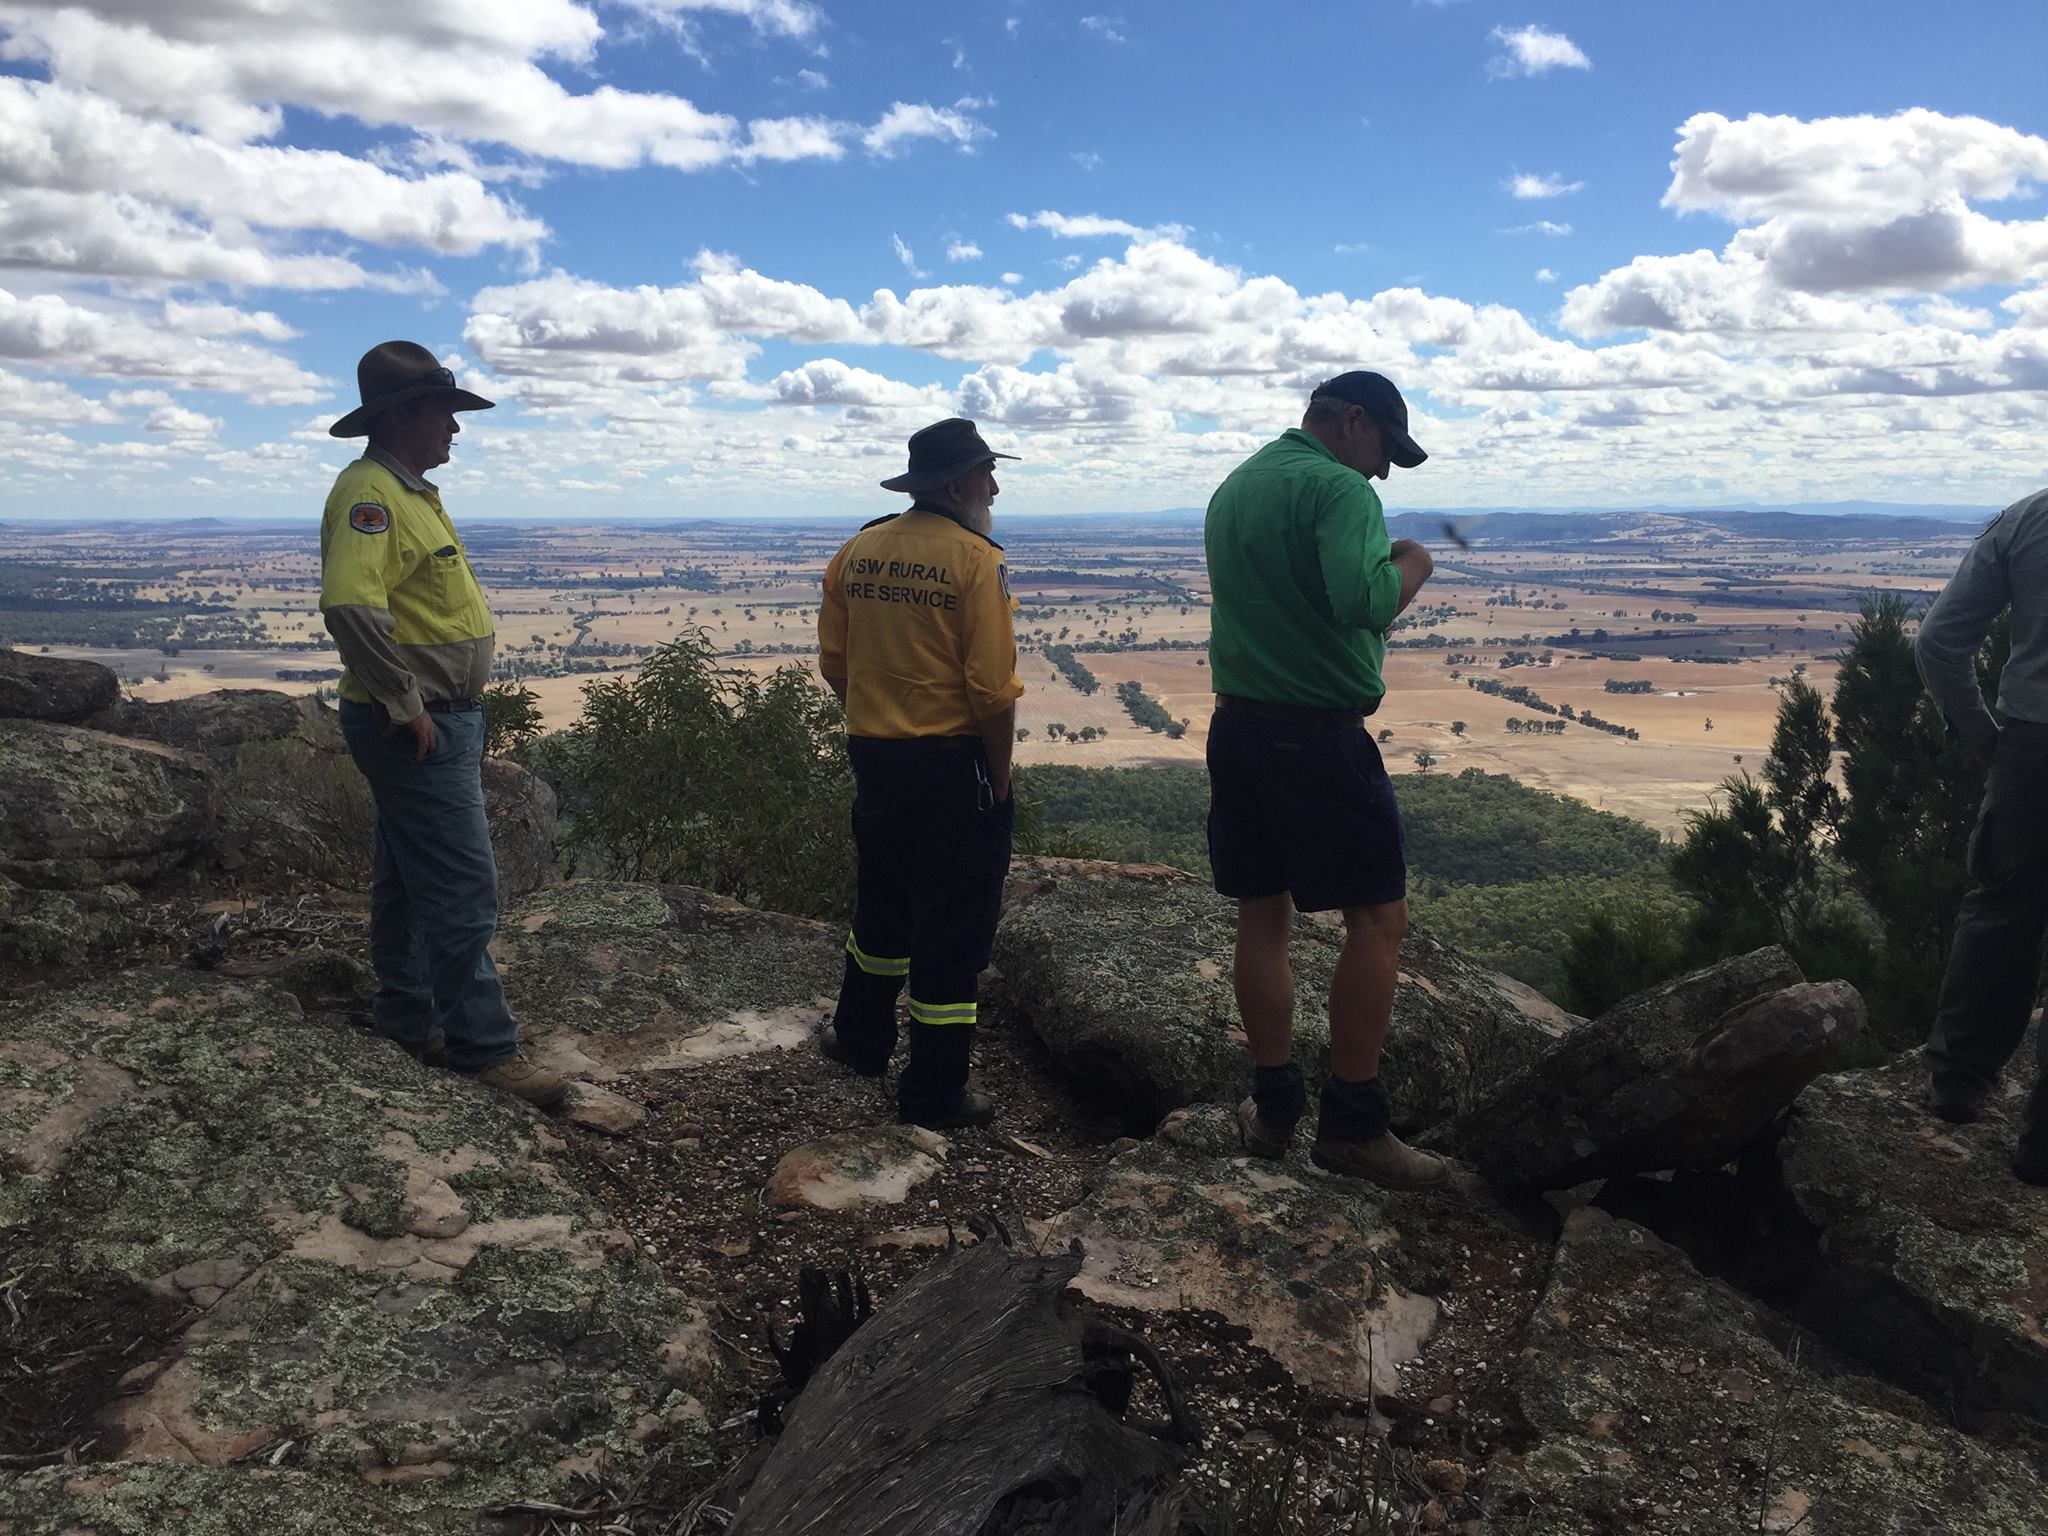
x=977 y=1404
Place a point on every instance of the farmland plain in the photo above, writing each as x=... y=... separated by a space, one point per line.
x=1677 y=631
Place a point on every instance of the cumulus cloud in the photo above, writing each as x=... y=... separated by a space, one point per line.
x=55 y=332
x=906 y=122
x=1868 y=168
x=1530 y=188
x=1532 y=51
x=229 y=68
x=1092 y=226
x=962 y=250
x=1108 y=29
x=1841 y=213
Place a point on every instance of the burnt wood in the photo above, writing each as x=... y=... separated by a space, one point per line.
x=976 y=1403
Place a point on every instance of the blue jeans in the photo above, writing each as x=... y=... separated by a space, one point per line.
x=433 y=889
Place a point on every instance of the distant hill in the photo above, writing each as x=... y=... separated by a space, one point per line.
x=1648 y=527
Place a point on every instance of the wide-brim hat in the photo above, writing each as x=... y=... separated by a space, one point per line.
x=394 y=372
x=941 y=453
x=1381 y=401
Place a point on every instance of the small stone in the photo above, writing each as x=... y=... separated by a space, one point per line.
x=1444 y=1476
x=1441 y=1405
x=1122 y=1145
x=599 y=1109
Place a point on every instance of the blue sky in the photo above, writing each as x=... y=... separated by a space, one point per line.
x=720 y=257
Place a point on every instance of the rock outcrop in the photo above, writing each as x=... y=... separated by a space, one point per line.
x=371 y=1281
x=51 y=688
x=1661 y=1400
x=1683 y=1075
x=1334 y=1279
x=1124 y=972
x=80 y=809
x=1907 y=1242
x=612 y=977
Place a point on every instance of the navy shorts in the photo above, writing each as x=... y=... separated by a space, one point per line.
x=1305 y=809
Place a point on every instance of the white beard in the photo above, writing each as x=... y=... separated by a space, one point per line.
x=981 y=520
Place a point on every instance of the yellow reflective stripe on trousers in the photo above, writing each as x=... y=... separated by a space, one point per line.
x=875 y=965
x=942 y=1013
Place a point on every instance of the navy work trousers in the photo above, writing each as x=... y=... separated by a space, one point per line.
x=933 y=845
x=433 y=889
x=1994 y=968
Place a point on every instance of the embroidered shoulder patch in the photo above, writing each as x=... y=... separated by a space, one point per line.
x=1003 y=579
x=368 y=517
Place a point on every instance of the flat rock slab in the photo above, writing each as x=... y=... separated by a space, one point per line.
x=36 y=687
x=1683 y=1075
x=80 y=809
x=1908 y=1243
x=1326 y=1273
x=378 y=1265
x=128 y=1497
x=852 y=1170
x=1124 y=972
x=1665 y=1401
x=609 y=977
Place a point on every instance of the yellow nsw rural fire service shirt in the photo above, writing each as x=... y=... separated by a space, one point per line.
x=916 y=622
x=397 y=592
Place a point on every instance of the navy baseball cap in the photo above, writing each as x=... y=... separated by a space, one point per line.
x=1383 y=403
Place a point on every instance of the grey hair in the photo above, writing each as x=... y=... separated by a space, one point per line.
x=1322 y=408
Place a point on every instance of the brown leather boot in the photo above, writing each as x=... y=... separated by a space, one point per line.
x=525 y=1078
x=1259 y=1137
x=1386 y=1160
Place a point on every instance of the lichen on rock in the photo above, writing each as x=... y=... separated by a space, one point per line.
x=1650 y=1388
x=609 y=977
x=380 y=1270
x=1124 y=973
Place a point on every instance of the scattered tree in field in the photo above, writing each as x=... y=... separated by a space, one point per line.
x=1457 y=727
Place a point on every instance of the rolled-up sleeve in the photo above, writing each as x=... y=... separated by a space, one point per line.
x=988 y=641
x=1953 y=629
x=1357 y=559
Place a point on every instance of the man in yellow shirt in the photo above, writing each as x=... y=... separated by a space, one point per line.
x=915 y=636
x=415 y=637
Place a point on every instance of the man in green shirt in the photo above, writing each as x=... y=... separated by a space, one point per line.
x=1302 y=815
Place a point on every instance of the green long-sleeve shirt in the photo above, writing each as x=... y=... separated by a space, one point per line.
x=1303 y=580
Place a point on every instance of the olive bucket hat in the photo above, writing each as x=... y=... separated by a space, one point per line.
x=941 y=453
x=394 y=372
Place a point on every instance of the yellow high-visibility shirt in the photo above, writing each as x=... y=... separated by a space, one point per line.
x=397 y=591
x=916 y=621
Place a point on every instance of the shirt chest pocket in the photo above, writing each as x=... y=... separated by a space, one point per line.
x=447 y=584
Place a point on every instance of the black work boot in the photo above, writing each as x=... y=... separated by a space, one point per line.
x=933 y=1091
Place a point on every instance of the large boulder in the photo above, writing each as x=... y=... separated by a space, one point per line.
x=216 y=724
x=609 y=977
x=1907 y=1242
x=377 y=1276
x=1124 y=972
x=1660 y=1400
x=1683 y=1075
x=80 y=809
x=522 y=811
x=1335 y=1279
x=51 y=688
x=293 y=804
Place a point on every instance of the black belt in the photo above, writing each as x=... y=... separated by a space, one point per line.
x=1296 y=714
x=453 y=706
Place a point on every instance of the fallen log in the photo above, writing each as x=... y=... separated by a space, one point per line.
x=976 y=1403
